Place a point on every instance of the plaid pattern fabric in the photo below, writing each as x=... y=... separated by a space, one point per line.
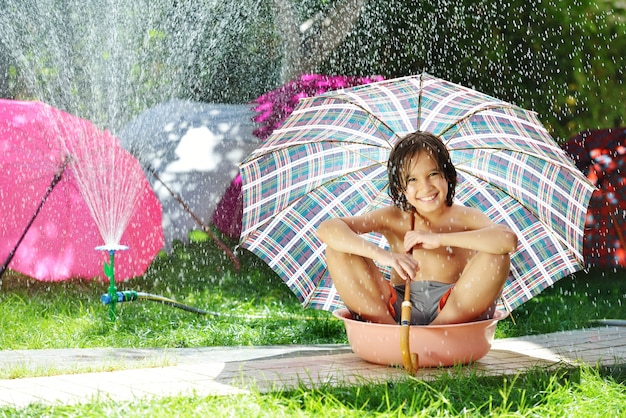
x=329 y=159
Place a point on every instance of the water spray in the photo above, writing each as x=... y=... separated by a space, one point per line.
x=109 y=271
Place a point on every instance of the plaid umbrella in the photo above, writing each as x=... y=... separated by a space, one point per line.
x=329 y=159
x=601 y=155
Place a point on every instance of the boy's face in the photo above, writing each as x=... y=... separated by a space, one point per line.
x=426 y=185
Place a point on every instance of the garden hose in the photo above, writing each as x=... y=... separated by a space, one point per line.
x=609 y=322
x=132 y=295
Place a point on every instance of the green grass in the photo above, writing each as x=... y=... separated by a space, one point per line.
x=573 y=302
x=583 y=392
x=22 y=370
x=254 y=307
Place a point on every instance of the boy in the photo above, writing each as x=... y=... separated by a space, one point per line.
x=456 y=258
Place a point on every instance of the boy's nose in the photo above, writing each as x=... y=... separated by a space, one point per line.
x=423 y=185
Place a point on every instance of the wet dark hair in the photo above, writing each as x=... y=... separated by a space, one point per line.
x=400 y=157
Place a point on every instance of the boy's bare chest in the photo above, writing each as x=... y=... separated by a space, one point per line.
x=443 y=264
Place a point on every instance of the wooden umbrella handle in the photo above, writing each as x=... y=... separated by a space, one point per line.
x=409 y=360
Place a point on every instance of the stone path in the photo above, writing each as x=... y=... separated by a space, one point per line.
x=82 y=375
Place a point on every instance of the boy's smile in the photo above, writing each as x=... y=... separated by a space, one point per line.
x=428 y=198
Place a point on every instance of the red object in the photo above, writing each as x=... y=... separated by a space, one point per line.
x=601 y=155
x=444 y=299
x=101 y=198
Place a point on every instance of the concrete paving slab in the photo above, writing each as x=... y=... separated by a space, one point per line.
x=221 y=371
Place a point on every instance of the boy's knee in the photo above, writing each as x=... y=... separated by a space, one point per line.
x=498 y=264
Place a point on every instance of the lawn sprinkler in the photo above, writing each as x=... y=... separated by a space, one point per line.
x=113 y=296
x=109 y=271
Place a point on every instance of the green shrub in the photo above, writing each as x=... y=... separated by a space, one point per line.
x=560 y=59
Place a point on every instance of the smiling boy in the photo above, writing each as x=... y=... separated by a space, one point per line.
x=456 y=258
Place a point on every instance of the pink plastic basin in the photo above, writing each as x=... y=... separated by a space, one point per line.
x=436 y=345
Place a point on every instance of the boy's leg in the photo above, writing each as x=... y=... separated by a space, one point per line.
x=361 y=286
x=478 y=287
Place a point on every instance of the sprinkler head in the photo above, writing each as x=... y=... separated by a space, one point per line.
x=111 y=247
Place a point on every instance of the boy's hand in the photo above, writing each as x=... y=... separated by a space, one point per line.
x=404 y=264
x=421 y=240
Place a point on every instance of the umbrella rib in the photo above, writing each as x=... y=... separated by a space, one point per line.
x=55 y=180
x=196 y=218
x=467 y=116
x=419 y=104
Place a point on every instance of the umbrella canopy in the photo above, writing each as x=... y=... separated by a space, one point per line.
x=191 y=151
x=601 y=155
x=272 y=108
x=71 y=187
x=329 y=159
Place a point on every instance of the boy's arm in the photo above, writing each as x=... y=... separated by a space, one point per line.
x=340 y=235
x=493 y=239
x=343 y=235
x=481 y=235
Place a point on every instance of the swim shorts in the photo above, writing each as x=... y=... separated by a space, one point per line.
x=427 y=299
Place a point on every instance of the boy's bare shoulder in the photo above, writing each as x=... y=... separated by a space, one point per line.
x=382 y=218
x=469 y=216
x=463 y=210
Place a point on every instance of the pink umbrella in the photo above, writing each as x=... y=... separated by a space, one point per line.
x=66 y=188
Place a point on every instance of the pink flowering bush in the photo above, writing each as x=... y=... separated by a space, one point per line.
x=274 y=106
